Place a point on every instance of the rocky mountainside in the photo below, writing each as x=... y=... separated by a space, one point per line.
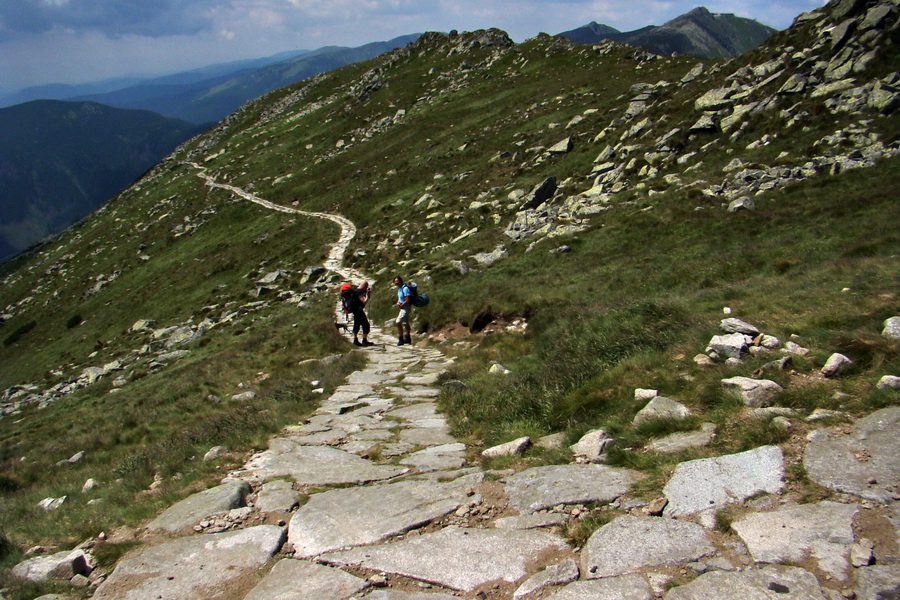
x=575 y=419
x=698 y=33
x=61 y=160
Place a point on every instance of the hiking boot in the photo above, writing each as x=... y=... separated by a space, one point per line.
x=356 y=342
x=401 y=341
x=408 y=340
x=367 y=343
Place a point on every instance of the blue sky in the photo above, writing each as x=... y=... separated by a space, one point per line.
x=74 y=41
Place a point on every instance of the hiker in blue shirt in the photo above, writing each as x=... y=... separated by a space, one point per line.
x=404 y=301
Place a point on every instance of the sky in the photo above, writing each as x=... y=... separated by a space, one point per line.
x=78 y=41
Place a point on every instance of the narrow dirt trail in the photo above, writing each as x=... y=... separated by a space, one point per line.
x=335 y=259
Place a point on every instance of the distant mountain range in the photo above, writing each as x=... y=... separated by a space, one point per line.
x=210 y=94
x=698 y=33
x=61 y=160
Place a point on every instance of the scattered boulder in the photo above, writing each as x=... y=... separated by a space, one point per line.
x=540 y=194
x=732 y=345
x=892 y=328
x=62 y=565
x=889 y=382
x=756 y=393
x=733 y=325
x=592 y=444
x=512 y=448
x=836 y=365
x=661 y=408
x=215 y=452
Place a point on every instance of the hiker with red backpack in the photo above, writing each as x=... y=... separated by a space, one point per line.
x=353 y=302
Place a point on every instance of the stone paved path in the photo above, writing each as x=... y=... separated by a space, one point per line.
x=394 y=508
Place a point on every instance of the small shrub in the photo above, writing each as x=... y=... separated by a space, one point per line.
x=16 y=335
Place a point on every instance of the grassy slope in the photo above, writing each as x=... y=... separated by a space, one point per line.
x=639 y=295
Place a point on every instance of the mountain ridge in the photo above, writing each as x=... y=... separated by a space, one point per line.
x=698 y=33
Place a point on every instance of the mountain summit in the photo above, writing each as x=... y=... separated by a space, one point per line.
x=698 y=33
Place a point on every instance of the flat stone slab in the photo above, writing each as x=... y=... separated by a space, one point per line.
x=437 y=458
x=559 y=574
x=400 y=595
x=352 y=517
x=317 y=465
x=835 y=461
x=698 y=485
x=277 y=496
x=192 y=568
x=369 y=377
x=878 y=582
x=412 y=412
x=768 y=583
x=628 y=544
x=684 y=440
x=544 y=487
x=460 y=559
x=197 y=507
x=429 y=379
x=432 y=436
x=293 y=579
x=823 y=531
x=625 y=587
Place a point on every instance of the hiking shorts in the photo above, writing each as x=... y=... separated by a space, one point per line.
x=403 y=317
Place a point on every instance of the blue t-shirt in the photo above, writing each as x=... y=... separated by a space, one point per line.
x=402 y=294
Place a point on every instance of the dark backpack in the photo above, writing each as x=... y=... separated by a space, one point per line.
x=349 y=299
x=418 y=300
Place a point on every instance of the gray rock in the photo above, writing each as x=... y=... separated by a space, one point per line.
x=645 y=394
x=661 y=408
x=365 y=515
x=456 y=558
x=215 y=452
x=836 y=365
x=629 y=544
x=742 y=203
x=194 y=567
x=678 y=442
x=562 y=147
x=879 y=582
x=318 y=583
x=194 y=508
x=311 y=274
x=540 y=194
x=888 y=382
x=892 y=328
x=544 y=487
x=143 y=325
x=513 y=448
x=756 y=393
x=558 y=574
x=624 y=587
x=314 y=465
x=732 y=325
x=486 y=259
x=554 y=441
x=866 y=463
x=706 y=483
x=592 y=444
x=715 y=99
x=432 y=436
x=277 y=496
x=732 y=345
x=414 y=412
x=62 y=565
x=244 y=396
x=789 y=534
x=768 y=583
x=437 y=458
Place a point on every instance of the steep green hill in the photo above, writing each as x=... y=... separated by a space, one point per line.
x=61 y=160
x=580 y=215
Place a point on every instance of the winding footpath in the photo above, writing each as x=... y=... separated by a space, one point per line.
x=372 y=498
